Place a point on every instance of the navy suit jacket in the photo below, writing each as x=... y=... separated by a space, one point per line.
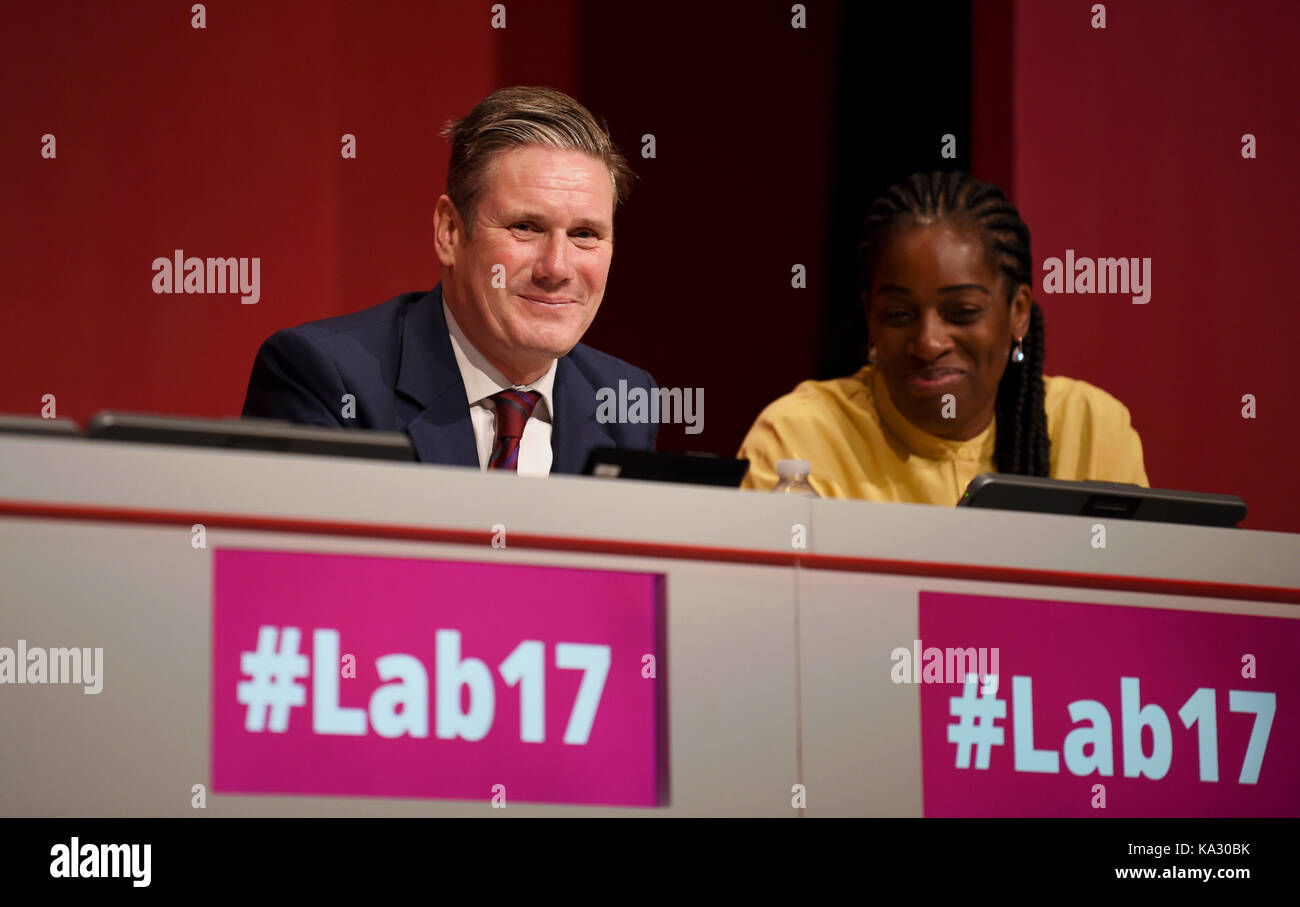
x=396 y=359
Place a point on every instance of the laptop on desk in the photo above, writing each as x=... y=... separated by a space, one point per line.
x=1109 y=500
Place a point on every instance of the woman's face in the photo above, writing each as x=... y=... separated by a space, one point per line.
x=939 y=319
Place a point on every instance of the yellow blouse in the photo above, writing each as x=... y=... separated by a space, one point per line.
x=861 y=446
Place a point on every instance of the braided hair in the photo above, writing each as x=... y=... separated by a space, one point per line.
x=1022 y=444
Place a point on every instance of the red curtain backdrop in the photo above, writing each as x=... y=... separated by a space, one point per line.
x=225 y=142
x=1127 y=141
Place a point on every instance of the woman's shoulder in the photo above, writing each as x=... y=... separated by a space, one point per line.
x=1092 y=434
x=1072 y=399
x=813 y=399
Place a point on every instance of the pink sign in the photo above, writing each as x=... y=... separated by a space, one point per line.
x=396 y=677
x=1103 y=710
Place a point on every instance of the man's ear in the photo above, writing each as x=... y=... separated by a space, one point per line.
x=448 y=231
x=1021 y=304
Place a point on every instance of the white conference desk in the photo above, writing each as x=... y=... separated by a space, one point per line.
x=779 y=657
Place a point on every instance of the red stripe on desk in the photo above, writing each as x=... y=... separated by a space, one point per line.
x=977 y=572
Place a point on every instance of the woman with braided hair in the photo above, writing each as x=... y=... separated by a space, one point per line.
x=954 y=384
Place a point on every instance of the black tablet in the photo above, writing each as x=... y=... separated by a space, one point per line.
x=35 y=425
x=250 y=434
x=1110 y=500
x=652 y=466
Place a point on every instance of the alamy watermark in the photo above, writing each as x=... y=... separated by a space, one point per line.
x=212 y=275
x=37 y=665
x=952 y=665
x=662 y=405
x=1101 y=276
x=75 y=860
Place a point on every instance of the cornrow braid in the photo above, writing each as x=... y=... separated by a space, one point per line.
x=1022 y=445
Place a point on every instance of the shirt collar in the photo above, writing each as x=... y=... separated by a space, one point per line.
x=920 y=442
x=482 y=379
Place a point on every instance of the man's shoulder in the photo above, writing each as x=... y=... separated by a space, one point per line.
x=376 y=318
x=300 y=373
x=360 y=342
x=586 y=372
x=598 y=366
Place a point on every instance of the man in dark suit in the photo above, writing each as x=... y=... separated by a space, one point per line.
x=485 y=369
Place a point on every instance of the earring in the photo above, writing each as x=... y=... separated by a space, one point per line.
x=1018 y=351
x=871 y=354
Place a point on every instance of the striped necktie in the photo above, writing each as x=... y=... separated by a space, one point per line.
x=513 y=409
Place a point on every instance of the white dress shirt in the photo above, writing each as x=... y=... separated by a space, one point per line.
x=482 y=380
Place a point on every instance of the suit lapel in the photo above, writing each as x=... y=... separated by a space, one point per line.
x=428 y=377
x=575 y=431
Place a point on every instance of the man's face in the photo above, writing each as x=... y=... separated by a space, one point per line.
x=939 y=319
x=527 y=281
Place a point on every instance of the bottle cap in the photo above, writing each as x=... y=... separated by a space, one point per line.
x=793 y=469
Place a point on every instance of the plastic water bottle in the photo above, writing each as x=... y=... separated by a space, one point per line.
x=794 y=478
